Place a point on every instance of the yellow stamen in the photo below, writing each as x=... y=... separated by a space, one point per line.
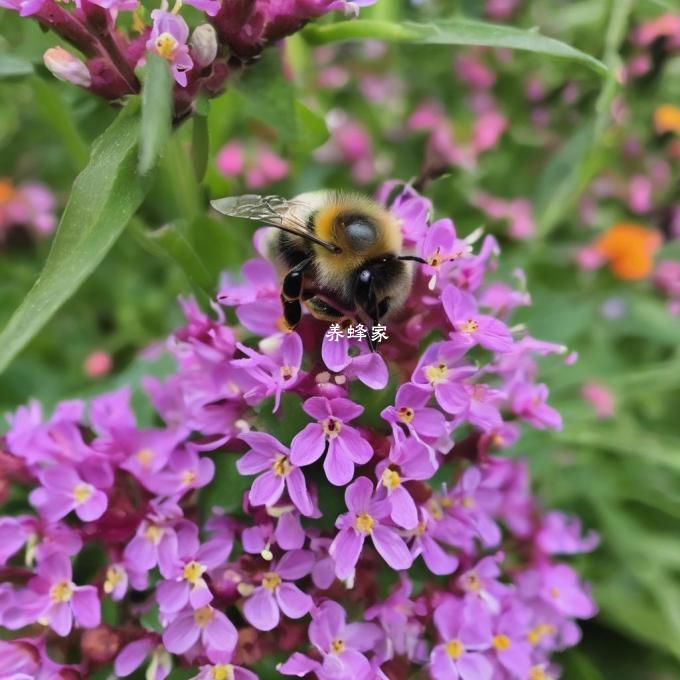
x=288 y=372
x=223 y=671
x=468 y=502
x=364 y=523
x=405 y=414
x=471 y=582
x=271 y=580
x=62 y=591
x=188 y=477
x=554 y=593
x=281 y=466
x=82 y=492
x=390 y=479
x=539 y=631
x=166 y=46
x=436 y=374
x=203 y=616
x=434 y=509
x=154 y=534
x=455 y=649
x=145 y=457
x=501 y=642
x=193 y=571
x=469 y=327
x=338 y=646
x=537 y=673
x=114 y=575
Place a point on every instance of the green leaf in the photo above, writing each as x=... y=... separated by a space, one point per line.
x=156 y=112
x=314 y=126
x=104 y=197
x=451 y=32
x=59 y=117
x=200 y=145
x=227 y=488
x=14 y=67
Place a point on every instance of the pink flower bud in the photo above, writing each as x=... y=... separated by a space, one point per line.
x=65 y=66
x=97 y=364
x=204 y=45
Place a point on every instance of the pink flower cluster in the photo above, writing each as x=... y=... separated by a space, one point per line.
x=403 y=497
x=232 y=36
x=29 y=205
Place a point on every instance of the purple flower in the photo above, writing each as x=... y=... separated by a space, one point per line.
x=560 y=588
x=410 y=411
x=273 y=374
x=25 y=8
x=185 y=471
x=509 y=646
x=132 y=656
x=465 y=630
x=13 y=536
x=343 y=444
x=215 y=631
x=168 y=39
x=276 y=594
x=528 y=402
x=561 y=534
x=340 y=356
x=438 y=371
x=185 y=584
x=63 y=490
x=269 y=456
x=481 y=582
x=409 y=459
x=224 y=671
x=471 y=326
x=340 y=644
x=53 y=598
x=366 y=517
x=437 y=560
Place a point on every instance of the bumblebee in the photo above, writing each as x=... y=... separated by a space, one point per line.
x=339 y=254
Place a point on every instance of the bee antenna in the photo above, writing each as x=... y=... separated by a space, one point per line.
x=412 y=258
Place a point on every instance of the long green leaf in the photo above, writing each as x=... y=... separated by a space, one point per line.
x=451 y=32
x=14 y=67
x=156 y=112
x=104 y=197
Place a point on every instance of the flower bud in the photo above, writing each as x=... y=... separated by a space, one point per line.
x=65 y=66
x=204 y=45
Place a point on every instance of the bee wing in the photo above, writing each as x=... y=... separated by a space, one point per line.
x=271 y=210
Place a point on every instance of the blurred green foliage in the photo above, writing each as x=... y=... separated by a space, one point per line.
x=620 y=475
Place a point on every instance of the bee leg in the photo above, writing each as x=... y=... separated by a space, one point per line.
x=291 y=292
x=321 y=310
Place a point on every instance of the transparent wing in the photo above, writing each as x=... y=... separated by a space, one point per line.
x=271 y=210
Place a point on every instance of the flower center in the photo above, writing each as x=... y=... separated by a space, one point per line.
x=405 y=414
x=288 y=372
x=471 y=582
x=193 y=571
x=537 y=673
x=435 y=260
x=338 y=646
x=455 y=649
x=468 y=502
x=82 y=492
x=203 y=616
x=166 y=46
x=436 y=374
x=554 y=592
x=271 y=580
x=153 y=534
x=331 y=427
x=501 y=642
x=364 y=523
x=114 y=575
x=434 y=509
x=281 y=466
x=144 y=457
x=420 y=529
x=390 y=479
x=539 y=631
x=469 y=327
x=62 y=591
x=223 y=672
x=188 y=477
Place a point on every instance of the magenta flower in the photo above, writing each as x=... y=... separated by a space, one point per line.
x=168 y=39
x=561 y=535
x=425 y=544
x=276 y=594
x=472 y=327
x=439 y=247
x=529 y=403
x=465 y=631
x=269 y=456
x=133 y=655
x=62 y=491
x=509 y=646
x=273 y=374
x=482 y=582
x=410 y=411
x=214 y=630
x=226 y=671
x=185 y=471
x=366 y=517
x=438 y=372
x=343 y=445
x=185 y=584
x=13 y=536
x=53 y=598
x=340 y=644
x=560 y=588
x=353 y=359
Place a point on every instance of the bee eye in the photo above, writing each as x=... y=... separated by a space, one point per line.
x=360 y=234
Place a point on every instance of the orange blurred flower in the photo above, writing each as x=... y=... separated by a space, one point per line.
x=667 y=119
x=629 y=249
